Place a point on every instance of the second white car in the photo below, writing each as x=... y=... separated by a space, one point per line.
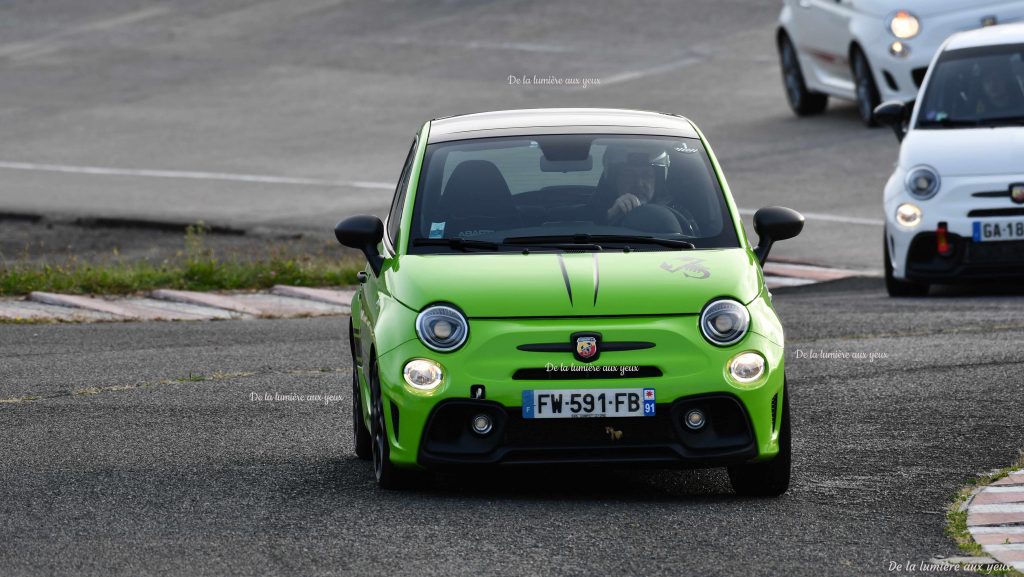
x=871 y=51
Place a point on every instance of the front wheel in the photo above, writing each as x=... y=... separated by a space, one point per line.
x=771 y=478
x=804 y=102
x=896 y=287
x=361 y=440
x=387 y=474
x=867 y=90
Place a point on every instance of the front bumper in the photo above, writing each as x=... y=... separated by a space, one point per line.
x=727 y=438
x=960 y=203
x=969 y=261
x=432 y=429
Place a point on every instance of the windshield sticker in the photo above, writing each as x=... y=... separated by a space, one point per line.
x=685 y=149
x=436 y=230
x=688 y=265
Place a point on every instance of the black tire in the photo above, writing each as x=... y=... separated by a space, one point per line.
x=803 y=101
x=894 y=286
x=361 y=440
x=387 y=474
x=771 y=478
x=867 y=90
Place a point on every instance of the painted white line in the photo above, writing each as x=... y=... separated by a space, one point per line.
x=1010 y=547
x=1004 y=489
x=635 y=74
x=51 y=43
x=193 y=175
x=1009 y=530
x=831 y=218
x=1007 y=508
x=469 y=44
x=781 y=281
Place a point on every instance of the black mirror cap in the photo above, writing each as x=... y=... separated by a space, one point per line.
x=359 y=231
x=775 y=223
x=778 y=222
x=892 y=113
x=362 y=232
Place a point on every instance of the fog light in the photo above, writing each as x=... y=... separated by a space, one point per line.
x=899 y=49
x=423 y=374
x=482 y=424
x=695 y=419
x=746 y=367
x=908 y=215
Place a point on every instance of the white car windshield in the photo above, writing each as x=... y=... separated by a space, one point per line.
x=975 y=87
x=647 y=192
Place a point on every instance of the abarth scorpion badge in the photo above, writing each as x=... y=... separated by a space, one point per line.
x=586 y=346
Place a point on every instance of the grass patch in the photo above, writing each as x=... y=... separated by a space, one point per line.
x=956 y=519
x=196 y=267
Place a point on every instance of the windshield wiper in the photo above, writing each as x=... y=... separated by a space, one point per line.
x=598 y=238
x=1002 y=121
x=457 y=243
x=949 y=123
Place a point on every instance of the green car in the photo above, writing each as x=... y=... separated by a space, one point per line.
x=567 y=286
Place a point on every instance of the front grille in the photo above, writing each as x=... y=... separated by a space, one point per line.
x=984 y=212
x=997 y=252
x=593 y=432
x=594 y=372
x=775 y=405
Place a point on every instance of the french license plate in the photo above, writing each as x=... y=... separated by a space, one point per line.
x=998 y=230
x=581 y=403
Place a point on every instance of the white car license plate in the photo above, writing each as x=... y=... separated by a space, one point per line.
x=580 y=403
x=996 y=230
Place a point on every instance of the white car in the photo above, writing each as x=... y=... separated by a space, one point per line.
x=954 y=205
x=871 y=51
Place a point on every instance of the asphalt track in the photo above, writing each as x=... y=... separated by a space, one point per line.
x=296 y=113
x=145 y=453
x=137 y=449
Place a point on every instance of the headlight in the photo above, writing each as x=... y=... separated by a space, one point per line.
x=908 y=215
x=746 y=368
x=922 y=182
x=423 y=374
x=442 y=328
x=724 y=322
x=904 y=25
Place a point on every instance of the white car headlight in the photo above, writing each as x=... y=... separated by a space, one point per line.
x=908 y=215
x=922 y=182
x=442 y=328
x=724 y=322
x=904 y=25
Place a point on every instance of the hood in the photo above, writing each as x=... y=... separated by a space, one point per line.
x=965 y=152
x=922 y=8
x=575 y=284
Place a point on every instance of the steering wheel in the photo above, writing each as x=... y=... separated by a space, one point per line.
x=686 y=221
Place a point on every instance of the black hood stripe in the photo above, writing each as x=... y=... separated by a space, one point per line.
x=565 y=277
x=597 y=278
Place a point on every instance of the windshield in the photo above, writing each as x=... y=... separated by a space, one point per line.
x=575 y=192
x=975 y=87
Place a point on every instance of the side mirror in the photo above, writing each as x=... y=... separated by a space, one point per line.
x=362 y=233
x=893 y=114
x=773 y=224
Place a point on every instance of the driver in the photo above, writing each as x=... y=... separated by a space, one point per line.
x=630 y=181
x=999 y=95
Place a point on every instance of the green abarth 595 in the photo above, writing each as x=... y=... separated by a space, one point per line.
x=567 y=286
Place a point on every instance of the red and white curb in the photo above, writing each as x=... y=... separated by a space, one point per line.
x=995 y=519
x=173 y=305
x=783 y=274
